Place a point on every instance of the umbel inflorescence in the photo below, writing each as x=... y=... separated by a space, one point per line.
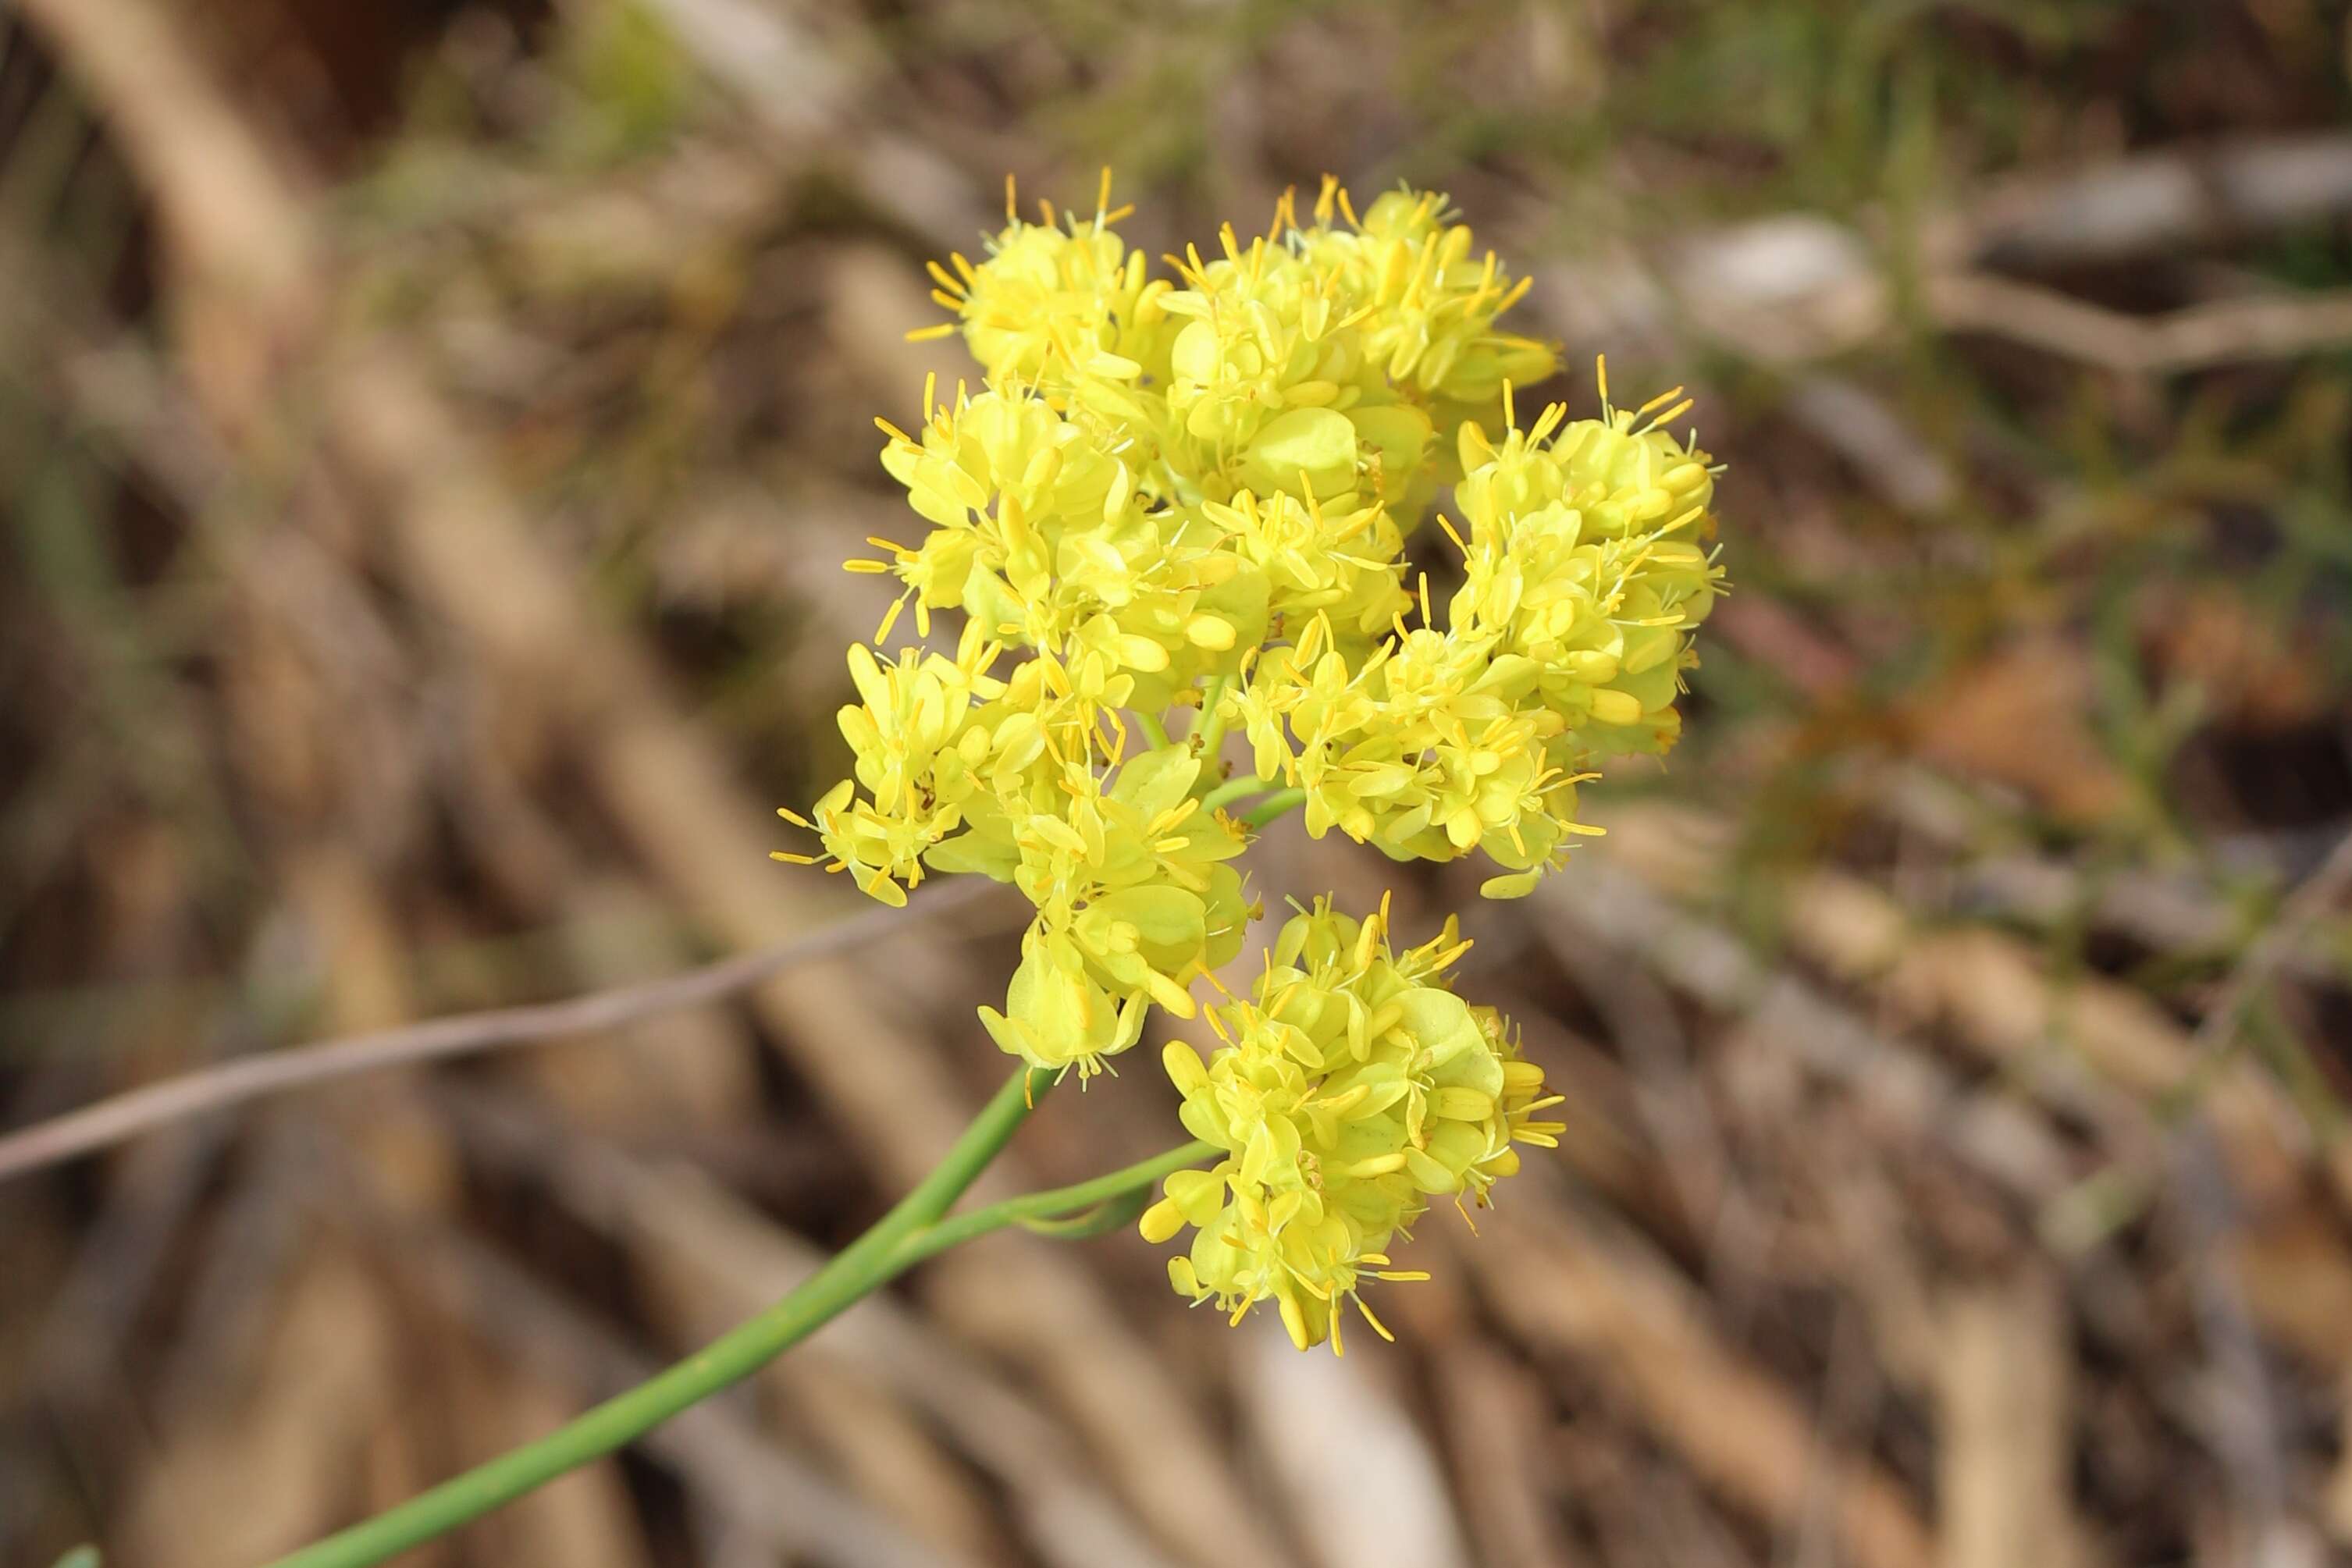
x=1182 y=502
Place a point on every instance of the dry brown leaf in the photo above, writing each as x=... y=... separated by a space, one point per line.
x=2021 y=717
x=2255 y=673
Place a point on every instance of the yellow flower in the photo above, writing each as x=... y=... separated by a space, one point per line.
x=1354 y=1087
x=1433 y=748
x=1344 y=566
x=1147 y=610
x=1134 y=900
x=1043 y=539
x=1430 y=305
x=1058 y=1016
x=1584 y=557
x=1426 y=311
x=923 y=755
x=1053 y=301
x=1261 y=377
x=1002 y=478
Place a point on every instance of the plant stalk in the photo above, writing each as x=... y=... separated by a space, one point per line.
x=1233 y=790
x=1273 y=806
x=914 y=1229
x=946 y=1233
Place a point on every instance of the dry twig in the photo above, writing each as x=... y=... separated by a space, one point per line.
x=2194 y=337
x=230 y=1083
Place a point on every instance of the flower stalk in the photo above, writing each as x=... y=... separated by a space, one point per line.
x=918 y=1227
x=1280 y=803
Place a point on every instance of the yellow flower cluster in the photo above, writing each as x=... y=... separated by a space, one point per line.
x=1181 y=499
x=1351 y=1090
x=1564 y=646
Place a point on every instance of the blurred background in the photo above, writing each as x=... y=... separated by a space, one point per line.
x=429 y=433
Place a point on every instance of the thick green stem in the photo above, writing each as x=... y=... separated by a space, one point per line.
x=1153 y=730
x=874 y=1257
x=1233 y=790
x=1273 y=806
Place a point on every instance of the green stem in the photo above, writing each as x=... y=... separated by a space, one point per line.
x=1209 y=729
x=1100 y=1220
x=869 y=1262
x=1273 y=806
x=1032 y=1206
x=969 y=1155
x=1233 y=790
x=1153 y=730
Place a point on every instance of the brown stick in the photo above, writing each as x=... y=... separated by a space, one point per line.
x=2194 y=338
x=217 y=1088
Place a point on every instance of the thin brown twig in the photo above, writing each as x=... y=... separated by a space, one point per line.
x=216 y=1088
x=1800 y=286
x=2194 y=337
